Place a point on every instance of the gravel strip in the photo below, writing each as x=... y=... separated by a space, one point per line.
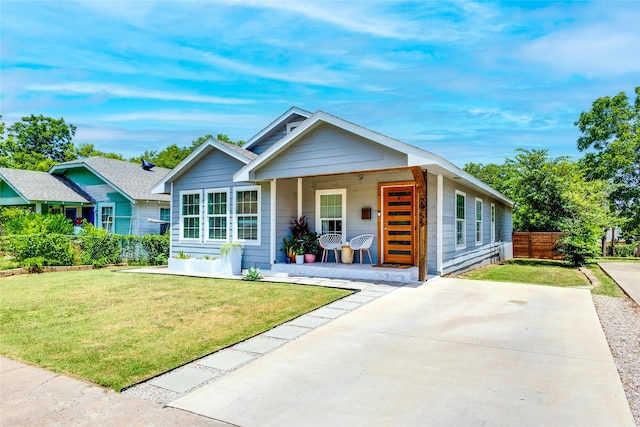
x=620 y=320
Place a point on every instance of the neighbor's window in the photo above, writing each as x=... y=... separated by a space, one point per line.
x=107 y=217
x=478 y=221
x=217 y=214
x=247 y=214
x=493 y=222
x=460 y=218
x=331 y=211
x=190 y=215
x=165 y=215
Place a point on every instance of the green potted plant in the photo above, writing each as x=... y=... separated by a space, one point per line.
x=181 y=263
x=289 y=245
x=311 y=246
x=300 y=254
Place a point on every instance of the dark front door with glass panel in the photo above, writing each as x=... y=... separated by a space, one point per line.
x=398 y=224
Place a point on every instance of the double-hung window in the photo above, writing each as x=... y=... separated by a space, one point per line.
x=461 y=199
x=107 y=216
x=247 y=214
x=217 y=213
x=331 y=211
x=493 y=222
x=478 y=221
x=190 y=215
x=165 y=215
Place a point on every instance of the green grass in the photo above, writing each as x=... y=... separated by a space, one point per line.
x=545 y=272
x=116 y=329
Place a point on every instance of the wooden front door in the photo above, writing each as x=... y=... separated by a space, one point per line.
x=398 y=224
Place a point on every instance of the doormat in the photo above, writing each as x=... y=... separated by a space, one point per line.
x=387 y=265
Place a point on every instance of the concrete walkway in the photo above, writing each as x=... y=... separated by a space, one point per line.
x=32 y=396
x=453 y=352
x=626 y=275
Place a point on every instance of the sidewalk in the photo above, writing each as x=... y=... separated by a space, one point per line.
x=31 y=396
x=626 y=275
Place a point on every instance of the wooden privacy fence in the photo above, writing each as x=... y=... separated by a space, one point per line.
x=540 y=245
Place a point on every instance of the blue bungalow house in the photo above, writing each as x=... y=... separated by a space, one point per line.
x=424 y=212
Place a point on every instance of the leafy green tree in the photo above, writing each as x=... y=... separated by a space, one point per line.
x=496 y=176
x=171 y=156
x=89 y=150
x=611 y=133
x=37 y=143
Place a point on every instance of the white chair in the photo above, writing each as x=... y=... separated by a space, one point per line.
x=330 y=242
x=362 y=243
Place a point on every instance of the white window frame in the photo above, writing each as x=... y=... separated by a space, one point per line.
x=342 y=192
x=478 y=223
x=198 y=216
x=113 y=217
x=461 y=221
x=493 y=222
x=258 y=215
x=207 y=216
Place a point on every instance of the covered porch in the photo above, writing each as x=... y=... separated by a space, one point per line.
x=357 y=272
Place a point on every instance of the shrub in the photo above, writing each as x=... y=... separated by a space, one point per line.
x=98 y=247
x=34 y=265
x=55 y=249
x=622 y=250
x=20 y=221
x=253 y=274
x=157 y=248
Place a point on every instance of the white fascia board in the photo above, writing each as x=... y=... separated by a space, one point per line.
x=277 y=122
x=163 y=187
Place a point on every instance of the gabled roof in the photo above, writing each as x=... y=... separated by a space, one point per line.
x=415 y=156
x=235 y=151
x=128 y=178
x=284 y=118
x=35 y=186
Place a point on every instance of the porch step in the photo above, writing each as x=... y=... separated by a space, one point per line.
x=364 y=272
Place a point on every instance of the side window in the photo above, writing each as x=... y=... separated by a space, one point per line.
x=165 y=215
x=331 y=211
x=247 y=214
x=478 y=229
x=461 y=200
x=493 y=222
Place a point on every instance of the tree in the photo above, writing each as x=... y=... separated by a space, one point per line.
x=610 y=130
x=37 y=143
x=495 y=176
x=89 y=150
x=172 y=155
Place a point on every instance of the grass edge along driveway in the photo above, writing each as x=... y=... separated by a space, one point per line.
x=116 y=329
x=545 y=272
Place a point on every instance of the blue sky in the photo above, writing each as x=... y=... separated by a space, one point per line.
x=468 y=81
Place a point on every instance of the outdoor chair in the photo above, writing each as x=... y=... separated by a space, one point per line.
x=362 y=243
x=330 y=242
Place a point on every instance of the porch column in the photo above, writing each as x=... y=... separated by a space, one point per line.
x=439 y=213
x=272 y=223
x=299 y=198
x=420 y=178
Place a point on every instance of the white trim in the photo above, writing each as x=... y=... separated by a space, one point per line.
x=181 y=217
x=171 y=222
x=475 y=221
x=258 y=215
x=343 y=193
x=100 y=207
x=299 y=197
x=206 y=216
x=463 y=245
x=272 y=223
x=439 y=231
x=493 y=222
x=274 y=124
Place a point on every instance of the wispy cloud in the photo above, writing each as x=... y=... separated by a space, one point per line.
x=124 y=92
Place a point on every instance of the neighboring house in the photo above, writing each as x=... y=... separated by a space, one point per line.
x=426 y=211
x=42 y=193
x=121 y=194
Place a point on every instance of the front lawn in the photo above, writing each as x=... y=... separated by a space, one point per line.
x=117 y=329
x=544 y=272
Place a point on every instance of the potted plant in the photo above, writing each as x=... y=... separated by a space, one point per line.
x=181 y=263
x=289 y=245
x=206 y=265
x=311 y=246
x=300 y=254
x=231 y=258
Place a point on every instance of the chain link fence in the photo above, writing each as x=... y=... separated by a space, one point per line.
x=35 y=251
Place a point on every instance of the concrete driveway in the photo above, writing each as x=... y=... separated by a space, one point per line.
x=451 y=352
x=626 y=275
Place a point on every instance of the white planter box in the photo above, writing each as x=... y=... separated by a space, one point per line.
x=181 y=265
x=207 y=266
x=232 y=263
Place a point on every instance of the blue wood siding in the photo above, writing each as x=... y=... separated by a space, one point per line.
x=216 y=170
x=327 y=150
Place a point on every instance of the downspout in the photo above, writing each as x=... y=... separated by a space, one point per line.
x=272 y=223
x=439 y=212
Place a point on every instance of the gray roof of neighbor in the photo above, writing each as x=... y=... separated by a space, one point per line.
x=129 y=178
x=40 y=186
x=250 y=155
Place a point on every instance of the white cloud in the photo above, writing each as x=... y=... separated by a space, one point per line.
x=125 y=92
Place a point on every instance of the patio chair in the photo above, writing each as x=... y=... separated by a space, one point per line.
x=362 y=243
x=330 y=242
